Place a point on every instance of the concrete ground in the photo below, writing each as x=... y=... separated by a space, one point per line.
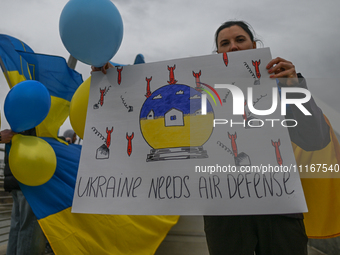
x=186 y=238
x=184 y=246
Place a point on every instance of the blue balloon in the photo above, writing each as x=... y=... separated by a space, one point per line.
x=91 y=30
x=27 y=105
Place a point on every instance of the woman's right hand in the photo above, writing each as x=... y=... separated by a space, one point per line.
x=284 y=70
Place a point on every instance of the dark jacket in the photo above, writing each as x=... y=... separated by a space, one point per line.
x=312 y=132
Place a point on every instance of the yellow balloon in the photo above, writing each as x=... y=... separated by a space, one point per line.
x=78 y=107
x=32 y=160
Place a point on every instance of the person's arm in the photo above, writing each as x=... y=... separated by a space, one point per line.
x=6 y=135
x=312 y=131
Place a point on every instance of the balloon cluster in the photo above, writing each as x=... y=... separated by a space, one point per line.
x=31 y=159
x=91 y=30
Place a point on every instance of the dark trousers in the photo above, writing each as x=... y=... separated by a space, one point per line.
x=262 y=234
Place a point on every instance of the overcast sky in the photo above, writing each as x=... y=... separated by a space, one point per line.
x=304 y=32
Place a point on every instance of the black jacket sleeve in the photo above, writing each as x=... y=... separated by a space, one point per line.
x=312 y=132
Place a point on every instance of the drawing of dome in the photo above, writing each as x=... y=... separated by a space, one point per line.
x=170 y=118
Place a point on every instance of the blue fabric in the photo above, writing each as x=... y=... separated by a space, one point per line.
x=56 y=194
x=8 y=147
x=52 y=71
x=139 y=59
x=17 y=44
x=11 y=59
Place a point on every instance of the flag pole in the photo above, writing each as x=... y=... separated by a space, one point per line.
x=72 y=61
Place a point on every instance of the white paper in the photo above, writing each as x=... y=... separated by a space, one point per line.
x=149 y=150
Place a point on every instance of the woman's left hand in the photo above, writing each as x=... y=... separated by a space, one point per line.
x=103 y=68
x=283 y=70
x=6 y=135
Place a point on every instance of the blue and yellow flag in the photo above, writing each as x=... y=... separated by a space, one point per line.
x=70 y=233
x=20 y=63
x=322 y=194
x=15 y=68
x=74 y=233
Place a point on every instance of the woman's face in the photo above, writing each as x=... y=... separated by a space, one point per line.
x=234 y=38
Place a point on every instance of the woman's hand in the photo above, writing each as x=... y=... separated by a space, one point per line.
x=103 y=68
x=6 y=135
x=283 y=70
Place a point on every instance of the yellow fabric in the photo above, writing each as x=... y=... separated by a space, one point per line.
x=71 y=233
x=57 y=115
x=14 y=78
x=322 y=194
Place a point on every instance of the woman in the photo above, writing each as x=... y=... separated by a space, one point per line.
x=266 y=234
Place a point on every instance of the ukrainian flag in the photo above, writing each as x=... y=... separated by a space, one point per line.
x=15 y=68
x=322 y=194
x=20 y=63
x=72 y=233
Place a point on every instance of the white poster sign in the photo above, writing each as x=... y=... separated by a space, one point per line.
x=162 y=139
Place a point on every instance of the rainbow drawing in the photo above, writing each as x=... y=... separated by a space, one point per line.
x=209 y=93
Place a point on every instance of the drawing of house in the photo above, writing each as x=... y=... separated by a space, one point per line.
x=151 y=115
x=174 y=117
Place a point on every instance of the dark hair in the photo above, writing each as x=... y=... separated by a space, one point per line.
x=242 y=24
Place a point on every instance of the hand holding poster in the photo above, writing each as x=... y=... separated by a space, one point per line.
x=170 y=138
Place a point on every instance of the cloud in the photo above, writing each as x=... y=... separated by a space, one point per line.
x=159 y=96
x=180 y=92
x=195 y=97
